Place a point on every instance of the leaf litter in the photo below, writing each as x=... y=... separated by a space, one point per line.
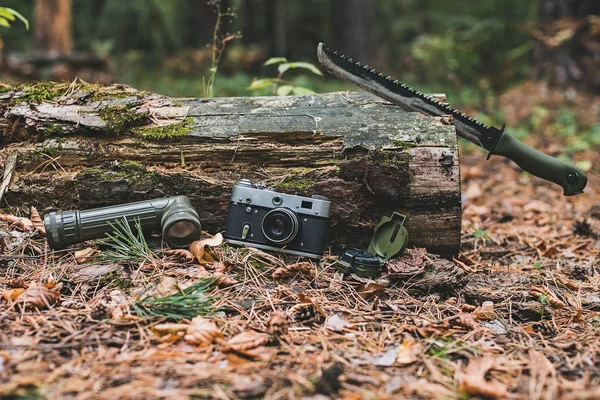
x=515 y=315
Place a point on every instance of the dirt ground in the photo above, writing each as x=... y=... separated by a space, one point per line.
x=516 y=315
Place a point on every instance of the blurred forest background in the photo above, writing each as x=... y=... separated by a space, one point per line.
x=532 y=63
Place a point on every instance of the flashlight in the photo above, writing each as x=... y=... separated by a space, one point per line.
x=173 y=216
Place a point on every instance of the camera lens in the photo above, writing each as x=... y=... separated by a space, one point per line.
x=280 y=225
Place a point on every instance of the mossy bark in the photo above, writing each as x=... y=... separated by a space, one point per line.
x=369 y=157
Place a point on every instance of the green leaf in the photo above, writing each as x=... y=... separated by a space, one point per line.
x=275 y=60
x=307 y=66
x=4 y=22
x=284 y=90
x=260 y=83
x=10 y=14
x=283 y=67
x=4 y=13
x=302 y=91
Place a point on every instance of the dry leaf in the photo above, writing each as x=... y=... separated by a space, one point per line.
x=409 y=351
x=472 y=380
x=485 y=311
x=224 y=280
x=85 y=255
x=221 y=267
x=466 y=321
x=197 y=247
x=411 y=263
x=166 y=286
x=278 y=324
x=37 y=221
x=303 y=268
x=336 y=323
x=245 y=342
x=203 y=332
x=168 y=333
x=370 y=289
x=37 y=296
x=207 y=259
x=182 y=254
x=22 y=223
x=12 y=294
x=537 y=291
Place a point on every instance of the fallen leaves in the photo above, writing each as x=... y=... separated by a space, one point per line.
x=472 y=380
x=203 y=332
x=197 y=248
x=36 y=296
x=85 y=255
x=409 y=351
x=22 y=223
x=302 y=268
x=411 y=263
x=182 y=254
x=36 y=221
x=248 y=343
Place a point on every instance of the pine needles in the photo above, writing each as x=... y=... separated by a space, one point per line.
x=127 y=244
x=185 y=304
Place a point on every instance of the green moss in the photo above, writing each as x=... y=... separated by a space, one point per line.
x=122 y=118
x=131 y=171
x=40 y=91
x=4 y=88
x=166 y=132
x=52 y=129
x=388 y=159
x=295 y=183
x=406 y=146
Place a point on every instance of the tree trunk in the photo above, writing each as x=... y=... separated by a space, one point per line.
x=353 y=29
x=94 y=147
x=567 y=53
x=52 y=25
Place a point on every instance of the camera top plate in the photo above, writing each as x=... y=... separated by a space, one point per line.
x=245 y=192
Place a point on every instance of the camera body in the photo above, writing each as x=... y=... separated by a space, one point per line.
x=262 y=218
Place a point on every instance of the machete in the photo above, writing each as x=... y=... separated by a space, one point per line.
x=494 y=140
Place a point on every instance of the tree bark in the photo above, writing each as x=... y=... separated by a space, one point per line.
x=52 y=26
x=353 y=29
x=369 y=157
x=567 y=53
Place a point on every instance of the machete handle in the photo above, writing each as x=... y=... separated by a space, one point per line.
x=572 y=179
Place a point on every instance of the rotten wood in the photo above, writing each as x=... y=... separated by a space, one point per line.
x=369 y=157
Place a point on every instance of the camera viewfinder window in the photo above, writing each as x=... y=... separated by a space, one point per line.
x=306 y=204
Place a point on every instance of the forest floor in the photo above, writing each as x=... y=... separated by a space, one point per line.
x=516 y=315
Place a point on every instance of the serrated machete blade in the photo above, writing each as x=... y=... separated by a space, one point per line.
x=406 y=97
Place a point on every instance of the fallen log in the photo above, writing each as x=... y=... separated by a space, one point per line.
x=86 y=146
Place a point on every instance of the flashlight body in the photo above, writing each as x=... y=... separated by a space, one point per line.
x=173 y=216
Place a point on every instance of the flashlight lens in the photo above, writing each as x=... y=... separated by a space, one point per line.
x=182 y=233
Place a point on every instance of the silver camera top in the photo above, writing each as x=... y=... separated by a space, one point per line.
x=247 y=193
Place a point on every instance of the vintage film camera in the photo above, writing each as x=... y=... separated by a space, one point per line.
x=174 y=217
x=262 y=218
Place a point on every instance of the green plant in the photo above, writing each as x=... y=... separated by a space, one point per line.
x=543 y=299
x=125 y=244
x=218 y=46
x=480 y=234
x=185 y=304
x=8 y=16
x=287 y=87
